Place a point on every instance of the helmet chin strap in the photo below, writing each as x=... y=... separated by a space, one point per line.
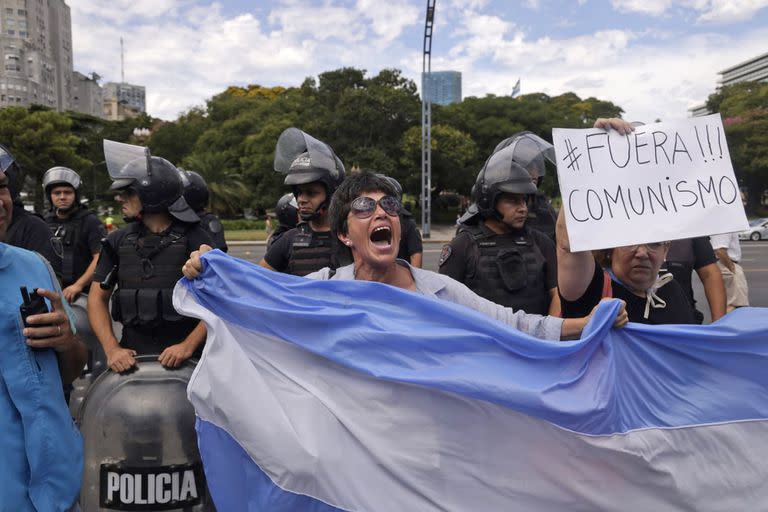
x=317 y=213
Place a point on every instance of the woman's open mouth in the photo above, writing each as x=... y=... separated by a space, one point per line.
x=381 y=236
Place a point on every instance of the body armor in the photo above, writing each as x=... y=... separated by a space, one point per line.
x=149 y=267
x=310 y=252
x=510 y=270
x=64 y=238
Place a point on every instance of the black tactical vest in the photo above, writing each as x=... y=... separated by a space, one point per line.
x=64 y=238
x=149 y=267
x=311 y=251
x=510 y=270
x=542 y=216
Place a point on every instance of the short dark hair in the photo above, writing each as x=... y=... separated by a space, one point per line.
x=350 y=189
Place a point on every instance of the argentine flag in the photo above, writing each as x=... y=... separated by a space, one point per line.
x=357 y=396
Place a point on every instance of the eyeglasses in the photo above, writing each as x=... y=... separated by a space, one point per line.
x=363 y=206
x=653 y=247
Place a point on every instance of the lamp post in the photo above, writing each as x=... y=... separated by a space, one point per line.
x=426 y=123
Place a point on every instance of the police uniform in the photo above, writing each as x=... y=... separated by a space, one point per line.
x=211 y=223
x=148 y=266
x=301 y=251
x=410 y=238
x=516 y=269
x=76 y=239
x=542 y=216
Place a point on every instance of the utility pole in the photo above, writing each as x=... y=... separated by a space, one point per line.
x=122 y=62
x=426 y=123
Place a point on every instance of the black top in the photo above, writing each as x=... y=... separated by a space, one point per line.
x=88 y=243
x=30 y=232
x=279 y=252
x=688 y=255
x=677 y=311
x=462 y=259
x=195 y=236
x=410 y=238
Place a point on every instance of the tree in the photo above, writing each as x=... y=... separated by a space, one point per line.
x=744 y=108
x=39 y=140
x=453 y=154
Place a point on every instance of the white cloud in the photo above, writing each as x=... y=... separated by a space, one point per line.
x=193 y=51
x=389 y=19
x=652 y=7
x=731 y=11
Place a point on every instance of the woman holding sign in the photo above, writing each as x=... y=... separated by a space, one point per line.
x=630 y=273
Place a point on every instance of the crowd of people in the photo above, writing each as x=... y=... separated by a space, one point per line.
x=510 y=259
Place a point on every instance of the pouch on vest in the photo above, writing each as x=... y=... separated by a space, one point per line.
x=512 y=269
x=169 y=313
x=128 y=314
x=148 y=305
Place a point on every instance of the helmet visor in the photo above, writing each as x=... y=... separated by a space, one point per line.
x=530 y=152
x=126 y=161
x=294 y=142
x=6 y=159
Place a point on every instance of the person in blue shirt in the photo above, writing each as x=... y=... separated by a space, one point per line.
x=42 y=451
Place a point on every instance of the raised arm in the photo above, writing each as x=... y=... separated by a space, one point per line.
x=574 y=269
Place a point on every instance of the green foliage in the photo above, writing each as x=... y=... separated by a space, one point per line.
x=373 y=122
x=744 y=108
x=242 y=224
x=39 y=140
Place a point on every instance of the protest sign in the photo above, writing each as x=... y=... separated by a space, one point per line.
x=664 y=181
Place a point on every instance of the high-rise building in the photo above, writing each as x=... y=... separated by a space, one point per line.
x=36 y=41
x=754 y=70
x=443 y=87
x=122 y=100
x=87 y=94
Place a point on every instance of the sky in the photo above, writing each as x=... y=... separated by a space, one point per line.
x=654 y=58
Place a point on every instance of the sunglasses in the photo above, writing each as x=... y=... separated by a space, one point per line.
x=363 y=207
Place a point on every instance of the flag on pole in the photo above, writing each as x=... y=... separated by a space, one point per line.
x=357 y=396
x=516 y=89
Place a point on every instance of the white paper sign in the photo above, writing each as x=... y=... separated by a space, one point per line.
x=662 y=182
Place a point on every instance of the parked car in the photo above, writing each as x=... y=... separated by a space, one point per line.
x=758 y=230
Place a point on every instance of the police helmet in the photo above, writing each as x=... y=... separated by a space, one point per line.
x=12 y=171
x=500 y=174
x=530 y=152
x=158 y=183
x=287 y=211
x=196 y=193
x=60 y=176
x=160 y=190
x=305 y=159
x=396 y=184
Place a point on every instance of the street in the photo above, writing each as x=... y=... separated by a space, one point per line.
x=755 y=263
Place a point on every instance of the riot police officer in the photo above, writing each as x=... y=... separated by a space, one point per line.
x=313 y=171
x=197 y=195
x=530 y=152
x=76 y=231
x=144 y=259
x=287 y=213
x=27 y=230
x=494 y=253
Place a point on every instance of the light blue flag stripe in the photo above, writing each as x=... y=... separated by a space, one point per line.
x=608 y=382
